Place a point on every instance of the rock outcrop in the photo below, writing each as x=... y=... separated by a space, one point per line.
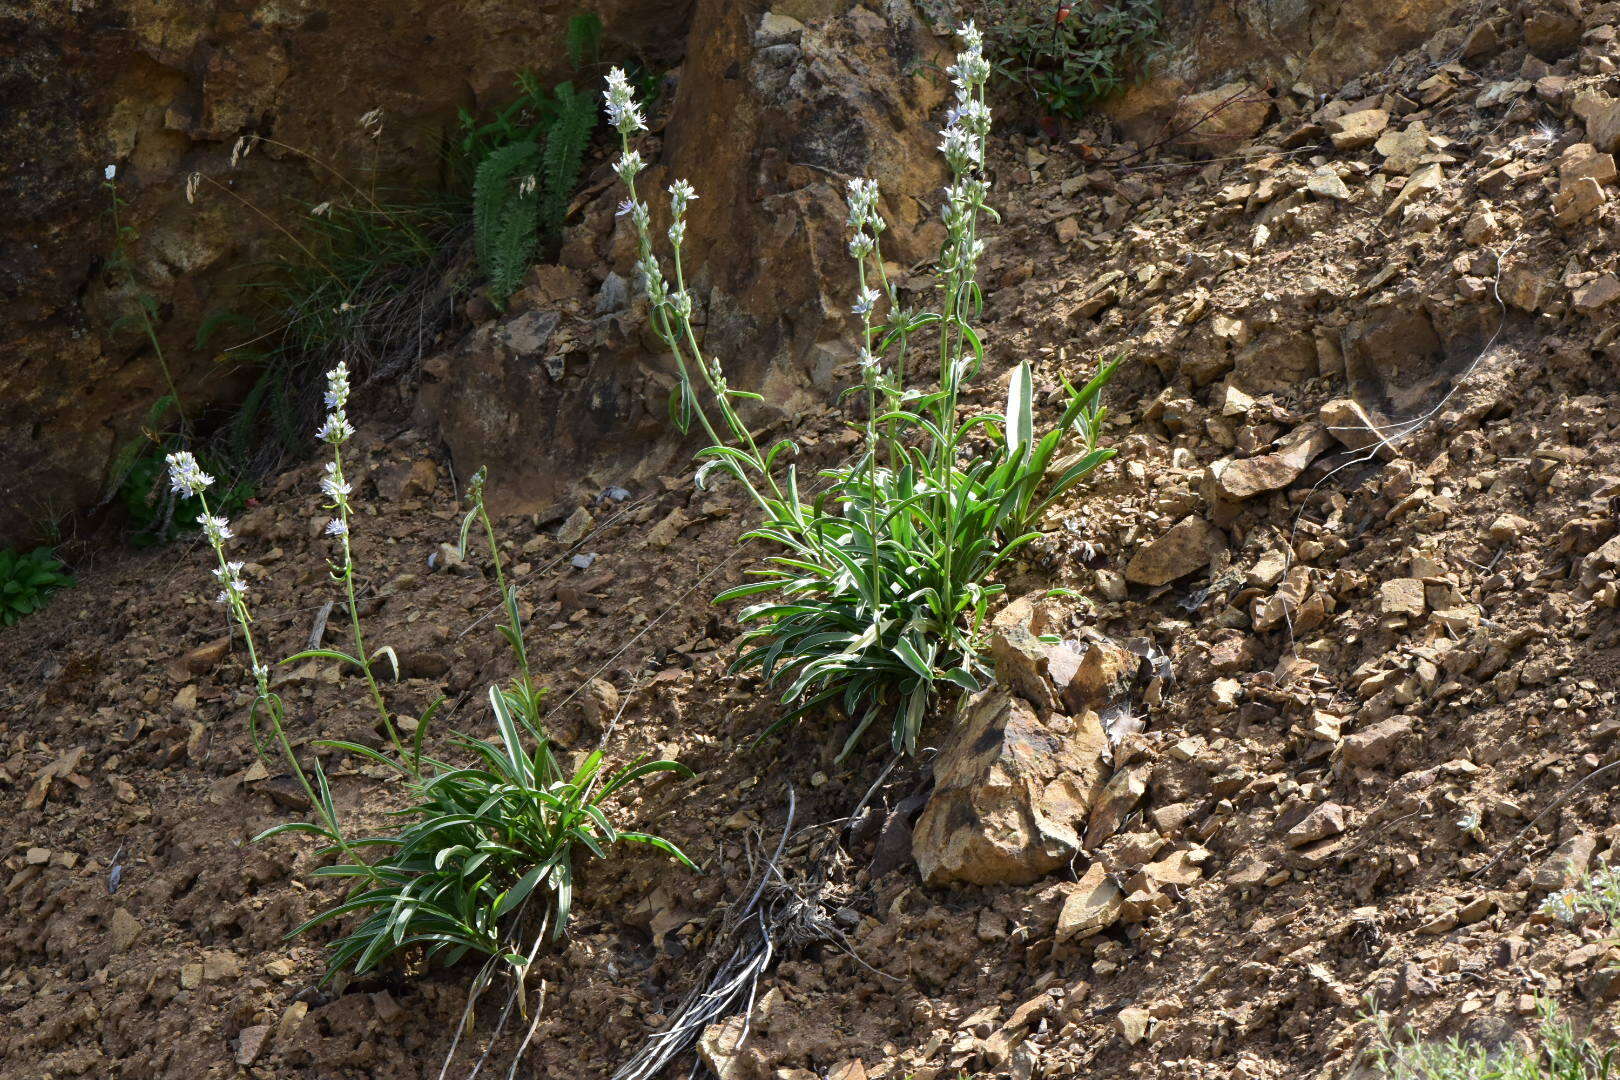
x=772 y=118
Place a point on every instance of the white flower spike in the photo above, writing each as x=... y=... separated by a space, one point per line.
x=217 y=529
x=620 y=103
x=337 y=386
x=185 y=475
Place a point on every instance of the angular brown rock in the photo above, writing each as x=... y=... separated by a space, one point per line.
x=1247 y=477
x=1189 y=545
x=1011 y=793
x=1091 y=906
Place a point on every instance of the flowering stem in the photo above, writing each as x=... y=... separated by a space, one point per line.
x=508 y=599
x=346 y=575
x=121 y=258
x=236 y=604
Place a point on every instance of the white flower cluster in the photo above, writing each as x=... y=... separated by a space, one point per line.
x=968 y=121
x=233 y=587
x=333 y=486
x=217 y=529
x=336 y=429
x=865 y=222
x=622 y=111
x=680 y=196
x=185 y=475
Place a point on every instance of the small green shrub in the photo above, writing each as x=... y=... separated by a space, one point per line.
x=27 y=580
x=1069 y=55
x=880 y=583
x=482 y=841
x=1597 y=893
x=1556 y=1054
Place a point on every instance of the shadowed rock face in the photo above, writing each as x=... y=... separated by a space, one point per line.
x=775 y=108
x=771 y=119
x=161 y=90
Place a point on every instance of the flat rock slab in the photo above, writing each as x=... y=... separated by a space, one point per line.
x=1189 y=545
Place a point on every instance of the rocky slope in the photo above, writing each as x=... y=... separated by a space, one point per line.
x=764 y=112
x=1333 y=720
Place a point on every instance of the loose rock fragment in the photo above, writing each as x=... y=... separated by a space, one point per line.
x=1247 y=477
x=1597 y=294
x=1324 y=821
x=1402 y=596
x=1189 y=545
x=1577 y=201
x=1091 y=906
x=1375 y=745
x=1355 y=130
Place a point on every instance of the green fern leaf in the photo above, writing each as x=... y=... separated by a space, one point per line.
x=565 y=156
x=504 y=224
x=512 y=247
x=584 y=39
x=247 y=415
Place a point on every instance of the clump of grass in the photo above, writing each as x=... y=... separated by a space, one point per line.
x=481 y=842
x=27 y=580
x=360 y=281
x=1554 y=1054
x=879 y=584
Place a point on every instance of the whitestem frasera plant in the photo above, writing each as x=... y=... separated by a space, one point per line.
x=335 y=431
x=187 y=479
x=881 y=583
x=483 y=841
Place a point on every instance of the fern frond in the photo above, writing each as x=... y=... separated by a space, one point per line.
x=565 y=156
x=504 y=223
x=247 y=415
x=512 y=247
x=584 y=39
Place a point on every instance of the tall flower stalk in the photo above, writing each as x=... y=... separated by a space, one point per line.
x=335 y=431
x=879 y=585
x=186 y=479
x=523 y=698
